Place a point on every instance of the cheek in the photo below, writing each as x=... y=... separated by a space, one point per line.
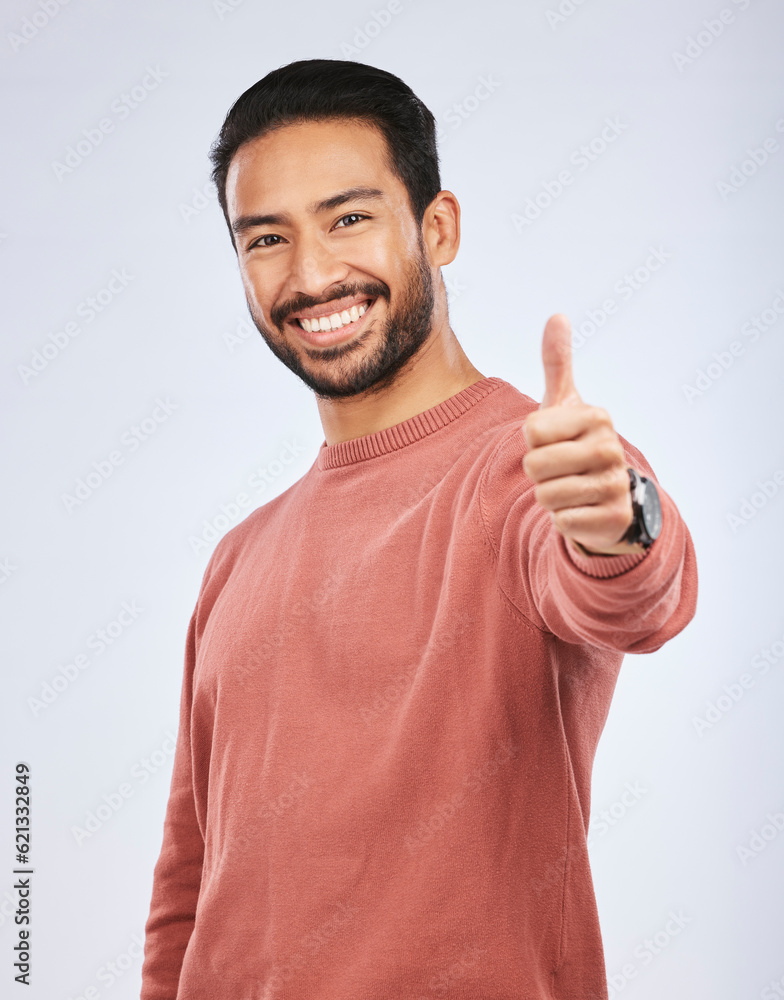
x=380 y=257
x=257 y=291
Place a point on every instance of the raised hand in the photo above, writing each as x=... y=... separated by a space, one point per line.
x=575 y=456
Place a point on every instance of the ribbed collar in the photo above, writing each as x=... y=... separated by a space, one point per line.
x=332 y=456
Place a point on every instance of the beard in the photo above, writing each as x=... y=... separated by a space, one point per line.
x=349 y=369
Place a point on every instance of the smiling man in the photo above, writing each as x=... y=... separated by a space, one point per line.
x=397 y=671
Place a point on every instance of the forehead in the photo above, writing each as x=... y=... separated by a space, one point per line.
x=300 y=163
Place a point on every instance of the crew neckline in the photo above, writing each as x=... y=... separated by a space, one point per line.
x=360 y=449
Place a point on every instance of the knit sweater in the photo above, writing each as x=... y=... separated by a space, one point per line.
x=396 y=676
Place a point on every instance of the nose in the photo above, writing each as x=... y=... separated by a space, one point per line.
x=314 y=268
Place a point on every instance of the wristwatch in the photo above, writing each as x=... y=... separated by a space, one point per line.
x=647 y=523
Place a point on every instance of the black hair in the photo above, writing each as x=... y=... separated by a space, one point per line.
x=320 y=89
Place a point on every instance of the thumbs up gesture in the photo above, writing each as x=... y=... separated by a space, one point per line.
x=575 y=456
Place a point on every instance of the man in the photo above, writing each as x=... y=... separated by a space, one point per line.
x=398 y=670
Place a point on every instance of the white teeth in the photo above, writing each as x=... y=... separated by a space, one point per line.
x=335 y=321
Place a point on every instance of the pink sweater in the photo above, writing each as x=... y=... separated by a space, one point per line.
x=396 y=677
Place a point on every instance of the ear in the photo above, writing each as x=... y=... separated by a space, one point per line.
x=441 y=228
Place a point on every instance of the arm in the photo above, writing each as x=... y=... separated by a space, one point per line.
x=177 y=875
x=630 y=603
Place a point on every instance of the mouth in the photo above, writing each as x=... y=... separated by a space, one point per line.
x=332 y=328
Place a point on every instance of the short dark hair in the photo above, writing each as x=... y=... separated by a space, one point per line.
x=319 y=89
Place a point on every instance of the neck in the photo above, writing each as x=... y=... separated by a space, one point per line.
x=436 y=372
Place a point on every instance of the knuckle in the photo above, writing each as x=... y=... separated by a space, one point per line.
x=533 y=435
x=600 y=416
x=616 y=481
x=607 y=451
x=622 y=485
x=565 y=519
x=542 y=495
x=623 y=515
x=605 y=478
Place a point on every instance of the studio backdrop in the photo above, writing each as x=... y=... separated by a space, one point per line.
x=615 y=160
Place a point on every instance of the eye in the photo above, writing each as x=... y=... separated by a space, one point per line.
x=352 y=215
x=259 y=241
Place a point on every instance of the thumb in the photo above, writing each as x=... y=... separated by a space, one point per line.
x=559 y=387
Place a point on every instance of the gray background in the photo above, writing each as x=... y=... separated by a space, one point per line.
x=176 y=329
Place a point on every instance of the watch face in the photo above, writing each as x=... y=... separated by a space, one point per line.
x=651 y=510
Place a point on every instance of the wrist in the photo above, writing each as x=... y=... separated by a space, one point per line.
x=621 y=549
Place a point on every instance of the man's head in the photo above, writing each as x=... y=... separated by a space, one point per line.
x=327 y=174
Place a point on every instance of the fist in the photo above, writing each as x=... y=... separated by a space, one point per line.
x=575 y=456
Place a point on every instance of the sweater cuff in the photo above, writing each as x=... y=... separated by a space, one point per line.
x=599 y=565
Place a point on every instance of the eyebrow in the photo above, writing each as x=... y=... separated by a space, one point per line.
x=246 y=222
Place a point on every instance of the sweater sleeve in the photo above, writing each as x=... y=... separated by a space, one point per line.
x=628 y=603
x=177 y=874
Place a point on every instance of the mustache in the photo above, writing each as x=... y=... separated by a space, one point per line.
x=372 y=289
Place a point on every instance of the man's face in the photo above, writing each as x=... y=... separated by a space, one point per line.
x=309 y=248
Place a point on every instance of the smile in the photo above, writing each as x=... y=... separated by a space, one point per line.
x=334 y=321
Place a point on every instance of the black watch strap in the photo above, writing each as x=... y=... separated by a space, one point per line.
x=646 y=507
